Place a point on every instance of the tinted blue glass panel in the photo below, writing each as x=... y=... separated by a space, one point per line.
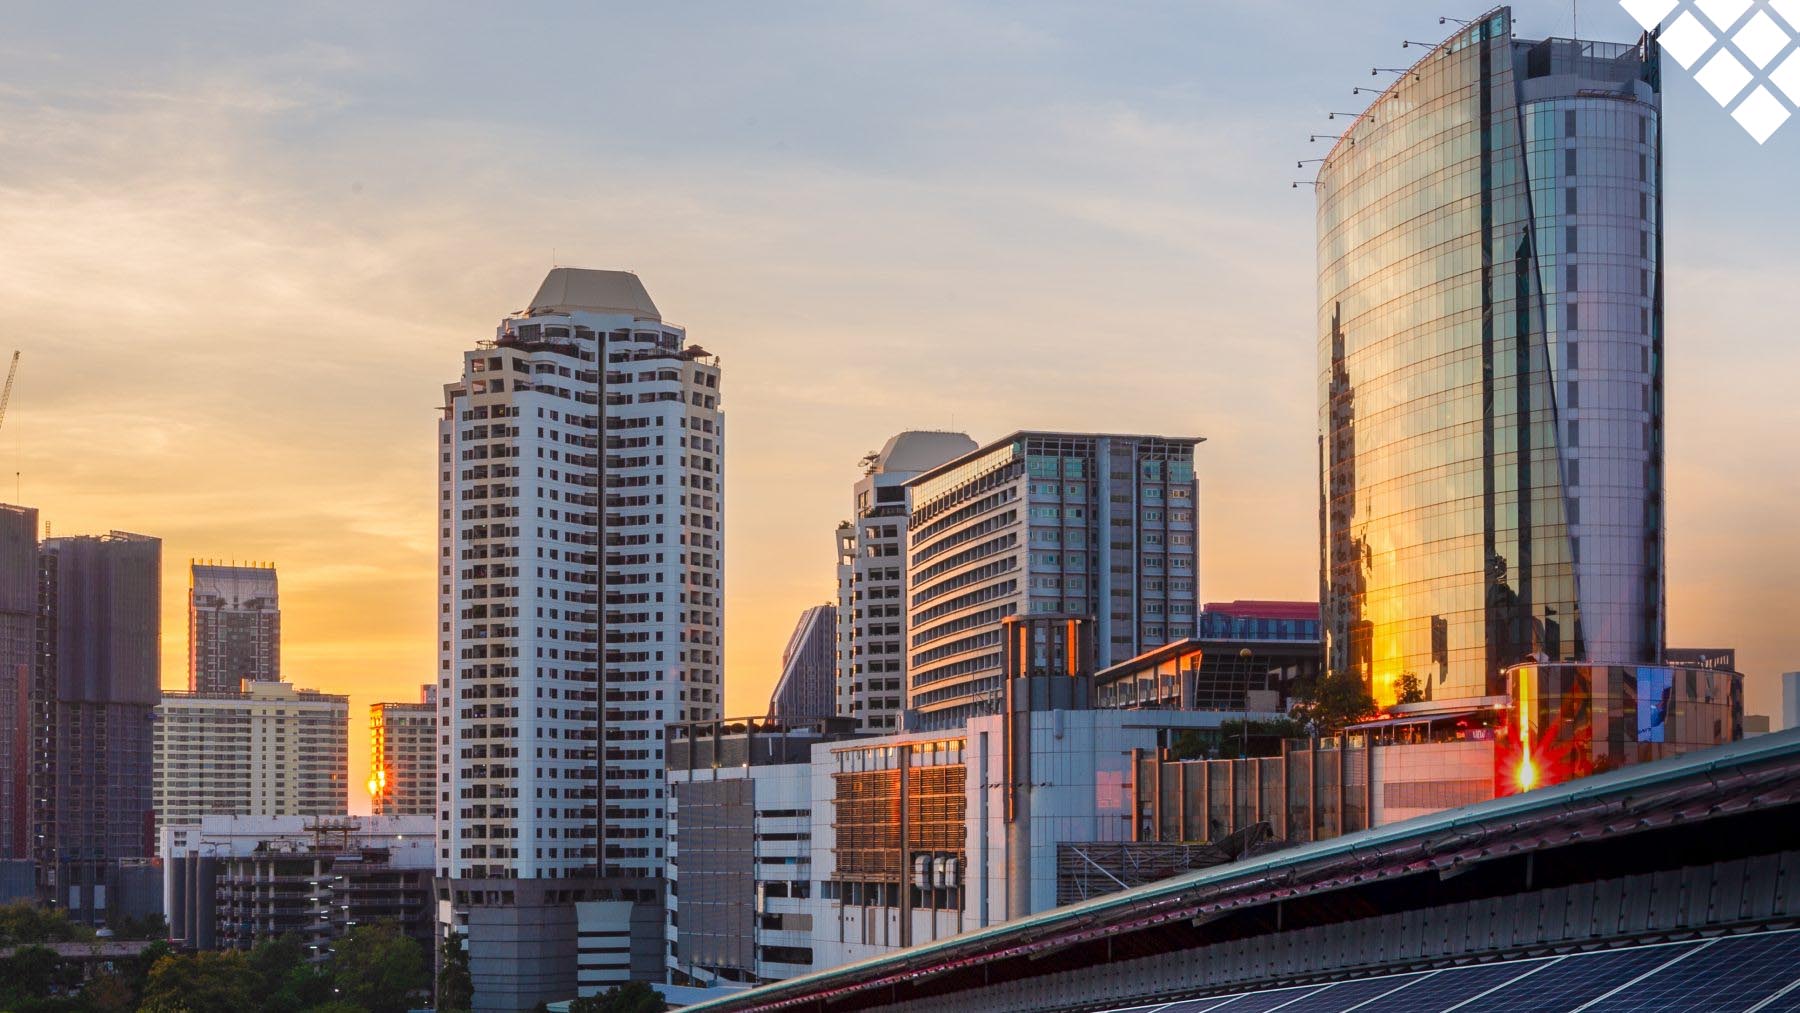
x=1731 y=974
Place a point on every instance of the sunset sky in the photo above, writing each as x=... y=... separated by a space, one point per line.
x=242 y=251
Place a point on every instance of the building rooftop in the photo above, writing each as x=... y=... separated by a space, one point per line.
x=918 y=449
x=1023 y=434
x=576 y=289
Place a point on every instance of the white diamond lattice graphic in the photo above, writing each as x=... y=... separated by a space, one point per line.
x=1787 y=78
x=1687 y=39
x=1723 y=13
x=1734 y=54
x=1762 y=114
x=1761 y=39
x=1723 y=78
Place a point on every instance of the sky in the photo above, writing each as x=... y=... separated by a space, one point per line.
x=242 y=249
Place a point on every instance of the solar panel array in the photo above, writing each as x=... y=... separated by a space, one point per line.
x=1757 y=973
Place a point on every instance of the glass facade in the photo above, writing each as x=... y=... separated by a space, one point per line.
x=1570 y=721
x=1490 y=366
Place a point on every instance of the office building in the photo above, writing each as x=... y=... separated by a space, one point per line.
x=741 y=883
x=234 y=626
x=1490 y=335
x=268 y=750
x=93 y=708
x=580 y=606
x=1790 y=700
x=871 y=613
x=18 y=640
x=403 y=750
x=807 y=687
x=233 y=881
x=1084 y=524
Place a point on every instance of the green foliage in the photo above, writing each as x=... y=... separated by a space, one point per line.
x=108 y=992
x=286 y=981
x=35 y=980
x=23 y=922
x=1408 y=689
x=1332 y=701
x=147 y=927
x=378 y=968
x=455 y=988
x=631 y=997
x=204 y=982
x=1229 y=741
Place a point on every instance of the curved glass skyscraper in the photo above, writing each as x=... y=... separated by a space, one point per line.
x=1490 y=365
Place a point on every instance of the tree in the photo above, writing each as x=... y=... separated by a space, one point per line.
x=23 y=922
x=631 y=997
x=1408 y=689
x=1333 y=700
x=109 y=992
x=378 y=967
x=206 y=982
x=288 y=983
x=31 y=972
x=455 y=988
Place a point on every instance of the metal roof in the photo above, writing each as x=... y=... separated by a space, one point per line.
x=1554 y=800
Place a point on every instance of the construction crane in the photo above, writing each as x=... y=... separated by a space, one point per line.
x=6 y=395
x=6 y=398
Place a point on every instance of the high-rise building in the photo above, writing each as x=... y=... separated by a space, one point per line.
x=268 y=750
x=18 y=640
x=97 y=681
x=1086 y=524
x=403 y=750
x=1491 y=365
x=806 y=688
x=871 y=612
x=1790 y=700
x=234 y=626
x=552 y=598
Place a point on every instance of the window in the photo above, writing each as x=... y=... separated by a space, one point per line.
x=1569 y=123
x=1569 y=162
x=1570 y=284
x=1574 y=354
x=1569 y=200
x=1571 y=240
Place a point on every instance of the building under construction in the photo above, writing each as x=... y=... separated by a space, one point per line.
x=239 y=882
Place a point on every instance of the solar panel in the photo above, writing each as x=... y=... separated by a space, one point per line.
x=1730 y=974
x=1444 y=989
x=1262 y=1002
x=1194 y=1005
x=1571 y=981
x=1741 y=974
x=1345 y=994
x=1785 y=1002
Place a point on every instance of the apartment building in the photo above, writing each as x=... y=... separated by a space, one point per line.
x=1086 y=524
x=91 y=708
x=806 y=687
x=234 y=626
x=268 y=750
x=403 y=751
x=581 y=531
x=871 y=612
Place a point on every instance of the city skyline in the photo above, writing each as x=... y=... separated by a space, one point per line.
x=136 y=419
